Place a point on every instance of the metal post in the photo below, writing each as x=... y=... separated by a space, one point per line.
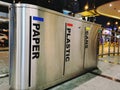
x=102 y=48
x=109 y=46
x=114 y=46
x=118 y=45
x=98 y=43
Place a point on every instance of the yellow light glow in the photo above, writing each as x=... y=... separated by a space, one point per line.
x=86 y=7
x=108 y=23
x=118 y=11
x=116 y=23
x=89 y=13
x=110 y=5
x=119 y=27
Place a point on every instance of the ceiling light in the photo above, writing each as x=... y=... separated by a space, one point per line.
x=48 y=1
x=110 y=5
x=119 y=11
x=119 y=27
x=108 y=23
x=86 y=7
x=116 y=23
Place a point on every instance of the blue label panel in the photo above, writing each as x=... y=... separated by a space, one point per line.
x=38 y=18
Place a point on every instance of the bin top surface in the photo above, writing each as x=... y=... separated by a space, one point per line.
x=23 y=5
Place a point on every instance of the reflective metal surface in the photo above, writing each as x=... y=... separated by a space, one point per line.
x=47 y=47
x=91 y=49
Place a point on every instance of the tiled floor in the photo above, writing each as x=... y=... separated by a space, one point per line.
x=106 y=77
x=4 y=68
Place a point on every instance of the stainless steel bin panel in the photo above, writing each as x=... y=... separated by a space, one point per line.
x=75 y=63
x=53 y=66
x=27 y=72
x=47 y=47
x=91 y=49
x=19 y=49
x=50 y=65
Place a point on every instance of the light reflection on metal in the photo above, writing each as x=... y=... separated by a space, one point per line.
x=4 y=3
x=3 y=17
x=66 y=12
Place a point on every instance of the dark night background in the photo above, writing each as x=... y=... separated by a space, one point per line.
x=59 y=5
x=72 y=5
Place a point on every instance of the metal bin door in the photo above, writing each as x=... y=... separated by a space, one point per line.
x=74 y=53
